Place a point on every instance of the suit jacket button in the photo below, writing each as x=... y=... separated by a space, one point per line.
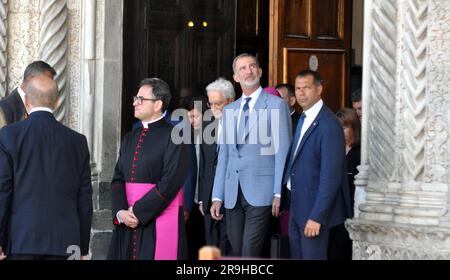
x=237 y=171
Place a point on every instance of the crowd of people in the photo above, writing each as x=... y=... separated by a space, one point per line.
x=229 y=173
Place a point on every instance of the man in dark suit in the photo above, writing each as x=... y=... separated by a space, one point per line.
x=13 y=105
x=45 y=182
x=220 y=93
x=287 y=92
x=315 y=173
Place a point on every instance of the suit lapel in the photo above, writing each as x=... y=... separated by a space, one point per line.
x=308 y=133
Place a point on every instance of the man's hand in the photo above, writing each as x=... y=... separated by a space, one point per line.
x=200 y=207
x=187 y=214
x=276 y=207
x=215 y=211
x=129 y=219
x=84 y=258
x=312 y=229
x=2 y=254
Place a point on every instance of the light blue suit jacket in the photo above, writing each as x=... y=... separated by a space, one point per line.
x=258 y=165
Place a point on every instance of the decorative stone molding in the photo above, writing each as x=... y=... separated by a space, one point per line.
x=405 y=211
x=397 y=191
x=378 y=162
x=389 y=241
x=53 y=45
x=382 y=91
x=437 y=165
x=3 y=46
x=413 y=87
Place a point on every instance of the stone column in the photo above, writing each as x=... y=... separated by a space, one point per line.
x=402 y=188
x=53 y=46
x=103 y=73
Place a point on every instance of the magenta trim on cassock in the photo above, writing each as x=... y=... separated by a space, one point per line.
x=166 y=224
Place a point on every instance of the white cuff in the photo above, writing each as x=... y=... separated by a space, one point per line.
x=118 y=217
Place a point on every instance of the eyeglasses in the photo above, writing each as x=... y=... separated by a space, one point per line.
x=140 y=99
x=212 y=105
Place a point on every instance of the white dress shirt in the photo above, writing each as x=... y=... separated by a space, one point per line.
x=254 y=97
x=37 y=109
x=146 y=124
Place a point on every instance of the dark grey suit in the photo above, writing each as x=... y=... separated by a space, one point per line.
x=45 y=188
x=215 y=231
x=13 y=108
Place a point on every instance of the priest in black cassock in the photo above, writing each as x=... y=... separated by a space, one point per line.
x=146 y=190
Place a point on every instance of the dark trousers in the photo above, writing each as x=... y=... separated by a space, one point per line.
x=216 y=235
x=340 y=244
x=304 y=248
x=195 y=232
x=247 y=227
x=21 y=257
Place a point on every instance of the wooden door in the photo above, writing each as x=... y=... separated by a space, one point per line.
x=252 y=34
x=187 y=43
x=312 y=34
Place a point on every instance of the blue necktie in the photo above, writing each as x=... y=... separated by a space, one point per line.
x=243 y=123
x=294 y=145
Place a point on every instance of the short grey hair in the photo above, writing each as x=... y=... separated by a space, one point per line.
x=223 y=86
x=241 y=56
x=37 y=68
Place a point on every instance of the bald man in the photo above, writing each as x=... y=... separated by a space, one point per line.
x=45 y=183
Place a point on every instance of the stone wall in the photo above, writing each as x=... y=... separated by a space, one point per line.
x=402 y=197
x=74 y=36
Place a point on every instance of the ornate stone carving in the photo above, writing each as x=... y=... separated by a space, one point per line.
x=382 y=90
x=413 y=88
x=3 y=46
x=438 y=68
x=437 y=152
x=389 y=241
x=53 y=45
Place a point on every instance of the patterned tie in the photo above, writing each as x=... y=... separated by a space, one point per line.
x=243 y=123
x=294 y=145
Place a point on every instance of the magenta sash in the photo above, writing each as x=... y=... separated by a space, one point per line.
x=166 y=247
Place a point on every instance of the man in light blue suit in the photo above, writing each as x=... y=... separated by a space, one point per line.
x=315 y=173
x=252 y=154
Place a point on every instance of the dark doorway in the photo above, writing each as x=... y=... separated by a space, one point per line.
x=187 y=43
x=252 y=34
